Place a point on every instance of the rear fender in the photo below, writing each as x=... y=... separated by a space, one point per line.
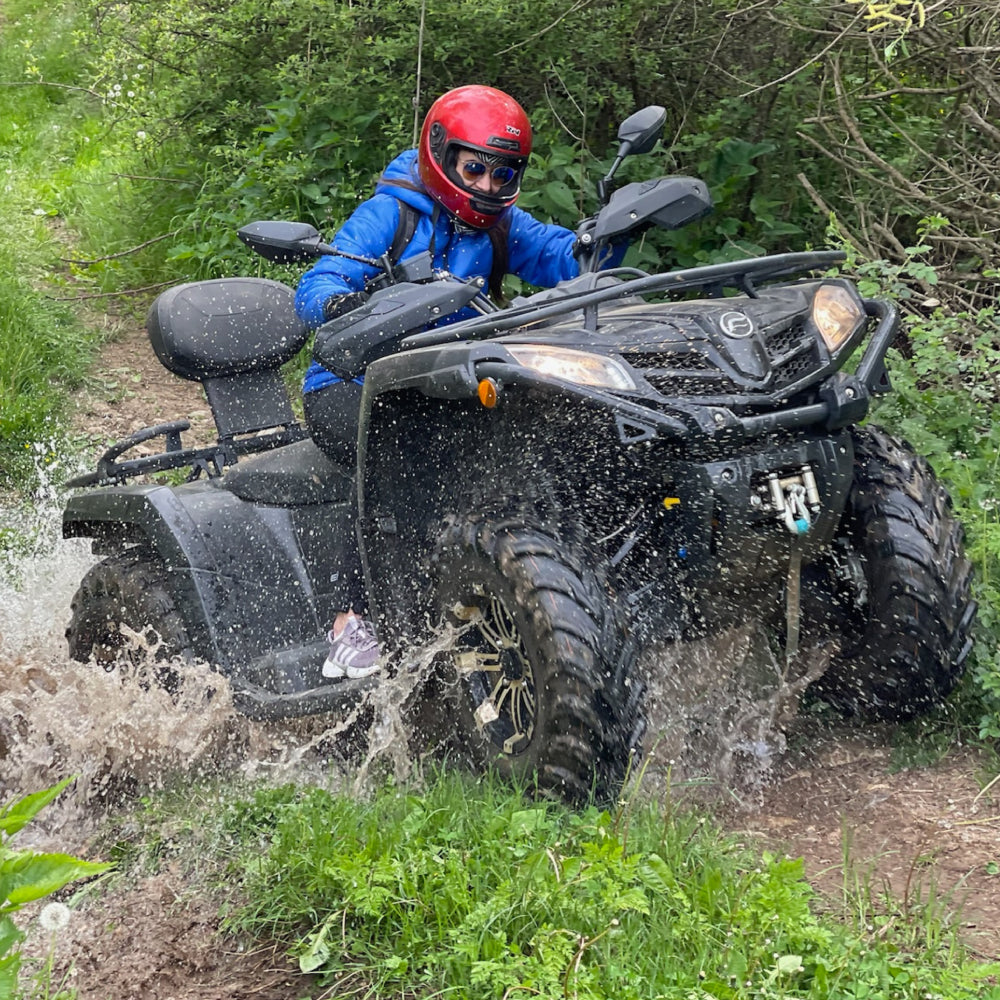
x=242 y=583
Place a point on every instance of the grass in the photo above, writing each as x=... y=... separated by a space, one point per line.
x=65 y=196
x=469 y=889
x=41 y=343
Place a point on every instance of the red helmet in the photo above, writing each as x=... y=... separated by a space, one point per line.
x=489 y=123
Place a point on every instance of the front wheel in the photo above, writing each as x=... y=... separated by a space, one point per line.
x=542 y=685
x=899 y=583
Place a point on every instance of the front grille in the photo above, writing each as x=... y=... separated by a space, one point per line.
x=688 y=373
x=792 y=351
x=702 y=371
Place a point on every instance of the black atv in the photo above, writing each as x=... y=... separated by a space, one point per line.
x=624 y=458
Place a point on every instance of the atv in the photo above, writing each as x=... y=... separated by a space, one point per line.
x=625 y=458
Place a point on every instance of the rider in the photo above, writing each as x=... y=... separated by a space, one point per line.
x=453 y=196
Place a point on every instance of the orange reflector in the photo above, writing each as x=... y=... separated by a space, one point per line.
x=669 y=502
x=488 y=393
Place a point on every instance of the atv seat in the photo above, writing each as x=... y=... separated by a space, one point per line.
x=295 y=475
x=232 y=335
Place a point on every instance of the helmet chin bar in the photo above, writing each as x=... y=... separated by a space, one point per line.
x=486 y=205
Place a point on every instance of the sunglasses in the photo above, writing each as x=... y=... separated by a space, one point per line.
x=474 y=169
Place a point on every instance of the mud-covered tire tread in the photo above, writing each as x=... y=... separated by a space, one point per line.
x=132 y=588
x=912 y=643
x=582 y=748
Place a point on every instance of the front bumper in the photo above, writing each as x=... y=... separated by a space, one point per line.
x=454 y=371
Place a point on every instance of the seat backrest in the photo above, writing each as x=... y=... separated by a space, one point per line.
x=232 y=335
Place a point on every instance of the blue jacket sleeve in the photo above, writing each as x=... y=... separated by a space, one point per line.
x=543 y=254
x=367 y=233
x=538 y=253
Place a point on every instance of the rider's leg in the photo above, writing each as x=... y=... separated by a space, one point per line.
x=332 y=415
x=332 y=418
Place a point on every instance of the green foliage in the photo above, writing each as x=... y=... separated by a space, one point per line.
x=41 y=342
x=747 y=221
x=472 y=890
x=38 y=344
x=293 y=111
x=26 y=876
x=946 y=404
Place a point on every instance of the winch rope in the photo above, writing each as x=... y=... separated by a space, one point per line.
x=793 y=602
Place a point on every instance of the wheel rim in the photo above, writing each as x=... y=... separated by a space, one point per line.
x=494 y=666
x=113 y=648
x=109 y=648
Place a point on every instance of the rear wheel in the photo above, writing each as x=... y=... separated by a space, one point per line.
x=900 y=585
x=541 y=674
x=122 y=595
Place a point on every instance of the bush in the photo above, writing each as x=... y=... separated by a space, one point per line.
x=946 y=403
x=292 y=110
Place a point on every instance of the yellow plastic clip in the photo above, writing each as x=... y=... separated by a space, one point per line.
x=669 y=502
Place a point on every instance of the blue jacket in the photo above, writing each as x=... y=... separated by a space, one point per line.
x=540 y=254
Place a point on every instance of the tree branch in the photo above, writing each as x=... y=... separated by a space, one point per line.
x=109 y=295
x=124 y=253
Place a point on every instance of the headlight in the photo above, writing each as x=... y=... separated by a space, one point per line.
x=837 y=315
x=580 y=367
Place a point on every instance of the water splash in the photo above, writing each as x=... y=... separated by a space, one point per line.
x=121 y=734
x=59 y=717
x=717 y=708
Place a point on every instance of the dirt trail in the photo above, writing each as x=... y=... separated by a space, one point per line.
x=917 y=832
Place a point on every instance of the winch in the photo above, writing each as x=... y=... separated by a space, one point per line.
x=795 y=499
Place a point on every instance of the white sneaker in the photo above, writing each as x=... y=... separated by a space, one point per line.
x=354 y=653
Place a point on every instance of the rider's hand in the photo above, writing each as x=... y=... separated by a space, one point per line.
x=337 y=305
x=584 y=241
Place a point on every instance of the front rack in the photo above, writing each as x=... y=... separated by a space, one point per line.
x=714 y=278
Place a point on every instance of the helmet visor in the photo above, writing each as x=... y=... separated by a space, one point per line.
x=467 y=167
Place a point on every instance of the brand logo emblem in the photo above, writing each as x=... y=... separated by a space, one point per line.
x=513 y=131
x=737 y=325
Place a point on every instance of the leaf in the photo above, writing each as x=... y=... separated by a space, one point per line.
x=14 y=817
x=631 y=899
x=9 y=935
x=559 y=193
x=314 y=194
x=317 y=947
x=38 y=875
x=529 y=821
x=9 y=967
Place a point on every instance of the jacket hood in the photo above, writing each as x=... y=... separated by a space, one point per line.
x=403 y=170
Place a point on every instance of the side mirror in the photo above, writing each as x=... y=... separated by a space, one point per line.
x=283 y=242
x=640 y=131
x=637 y=134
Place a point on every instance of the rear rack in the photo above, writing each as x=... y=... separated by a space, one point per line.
x=210 y=460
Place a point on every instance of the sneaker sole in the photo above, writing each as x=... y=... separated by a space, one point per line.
x=336 y=672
